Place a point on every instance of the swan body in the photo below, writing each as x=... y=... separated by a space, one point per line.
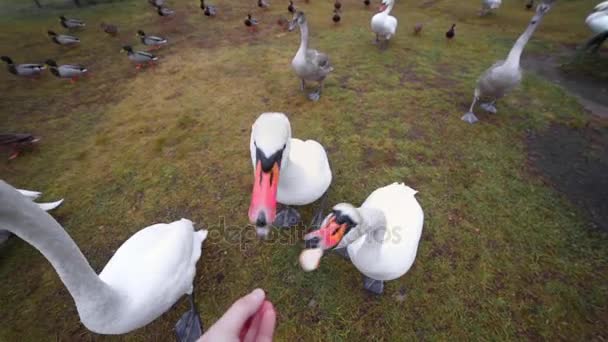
x=505 y=75
x=488 y=5
x=144 y=278
x=598 y=19
x=301 y=167
x=309 y=64
x=381 y=236
x=383 y=24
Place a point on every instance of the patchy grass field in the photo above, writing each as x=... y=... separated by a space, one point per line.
x=503 y=255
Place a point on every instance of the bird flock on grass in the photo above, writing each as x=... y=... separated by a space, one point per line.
x=132 y=290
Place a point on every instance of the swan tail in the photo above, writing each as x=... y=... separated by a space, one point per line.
x=405 y=188
x=50 y=206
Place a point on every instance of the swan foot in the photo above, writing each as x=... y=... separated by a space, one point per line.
x=314 y=97
x=470 y=118
x=374 y=286
x=343 y=252
x=489 y=107
x=287 y=218
x=189 y=328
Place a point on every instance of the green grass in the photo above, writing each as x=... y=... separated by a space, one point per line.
x=503 y=256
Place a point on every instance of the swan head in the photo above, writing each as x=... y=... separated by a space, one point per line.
x=298 y=19
x=269 y=145
x=541 y=10
x=384 y=5
x=343 y=218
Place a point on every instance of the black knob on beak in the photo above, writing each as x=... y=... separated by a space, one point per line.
x=312 y=243
x=261 y=220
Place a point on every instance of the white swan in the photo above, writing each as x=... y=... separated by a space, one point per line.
x=598 y=19
x=31 y=195
x=144 y=278
x=381 y=236
x=287 y=170
x=383 y=24
x=505 y=75
x=488 y=5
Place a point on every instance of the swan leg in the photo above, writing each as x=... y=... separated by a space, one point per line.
x=377 y=40
x=287 y=218
x=343 y=252
x=302 y=84
x=317 y=94
x=374 y=286
x=189 y=328
x=489 y=107
x=470 y=116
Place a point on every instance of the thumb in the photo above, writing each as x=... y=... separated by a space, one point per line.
x=241 y=310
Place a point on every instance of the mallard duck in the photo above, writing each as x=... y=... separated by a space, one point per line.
x=251 y=22
x=71 y=23
x=337 y=5
x=139 y=57
x=208 y=10
x=380 y=237
x=144 y=278
x=383 y=24
x=16 y=142
x=63 y=39
x=151 y=40
x=164 y=11
x=287 y=170
x=451 y=33
x=25 y=70
x=291 y=8
x=110 y=29
x=529 y=4
x=418 y=28
x=309 y=64
x=263 y=4
x=336 y=17
x=505 y=75
x=488 y=6
x=73 y=72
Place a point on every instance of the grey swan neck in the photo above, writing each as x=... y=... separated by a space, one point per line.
x=303 y=38
x=517 y=49
x=22 y=217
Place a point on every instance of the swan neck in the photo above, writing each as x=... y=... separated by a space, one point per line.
x=303 y=37
x=520 y=44
x=373 y=225
x=26 y=220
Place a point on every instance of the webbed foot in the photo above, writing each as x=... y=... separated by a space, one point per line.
x=314 y=97
x=469 y=117
x=287 y=218
x=374 y=286
x=489 y=107
x=189 y=328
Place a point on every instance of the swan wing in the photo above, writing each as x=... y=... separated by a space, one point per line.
x=30 y=194
x=50 y=205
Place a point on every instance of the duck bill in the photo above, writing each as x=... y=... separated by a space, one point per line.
x=263 y=208
x=328 y=236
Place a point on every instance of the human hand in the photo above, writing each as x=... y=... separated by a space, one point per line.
x=249 y=319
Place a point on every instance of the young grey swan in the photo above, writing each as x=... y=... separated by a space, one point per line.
x=309 y=64
x=505 y=75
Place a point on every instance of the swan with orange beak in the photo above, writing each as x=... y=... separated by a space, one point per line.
x=380 y=238
x=286 y=170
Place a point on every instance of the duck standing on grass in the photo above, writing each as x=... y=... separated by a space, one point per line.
x=380 y=237
x=337 y=5
x=505 y=75
x=71 y=23
x=208 y=10
x=451 y=33
x=291 y=8
x=16 y=142
x=110 y=29
x=164 y=11
x=71 y=72
x=63 y=39
x=263 y=4
x=148 y=40
x=140 y=58
x=309 y=64
x=383 y=24
x=251 y=23
x=336 y=18
x=25 y=70
x=418 y=29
